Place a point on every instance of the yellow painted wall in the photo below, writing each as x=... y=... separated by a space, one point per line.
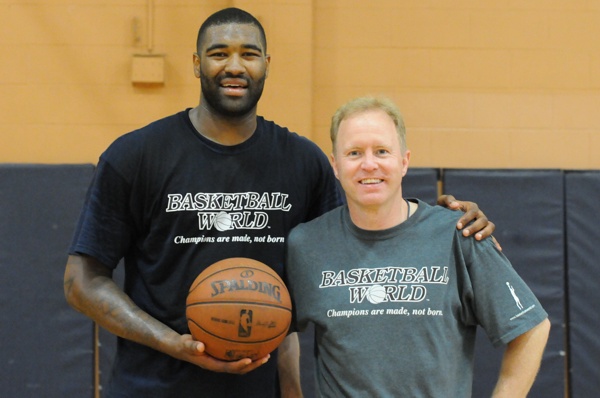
x=495 y=83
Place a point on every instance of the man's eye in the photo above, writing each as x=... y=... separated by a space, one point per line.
x=251 y=56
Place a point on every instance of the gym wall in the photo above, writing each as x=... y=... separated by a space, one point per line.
x=482 y=84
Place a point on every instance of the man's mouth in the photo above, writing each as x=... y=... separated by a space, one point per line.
x=234 y=88
x=229 y=82
x=369 y=181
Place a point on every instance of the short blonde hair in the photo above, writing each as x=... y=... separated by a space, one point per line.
x=363 y=104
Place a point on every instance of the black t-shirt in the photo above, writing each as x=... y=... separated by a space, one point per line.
x=170 y=203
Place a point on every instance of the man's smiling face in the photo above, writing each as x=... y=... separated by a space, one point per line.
x=232 y=66
x=369 y=161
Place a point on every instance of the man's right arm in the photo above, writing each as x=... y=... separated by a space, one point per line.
x=90 y=289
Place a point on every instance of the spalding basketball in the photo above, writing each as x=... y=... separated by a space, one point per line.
x=239 y=308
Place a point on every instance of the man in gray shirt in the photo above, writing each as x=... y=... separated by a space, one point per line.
x=394 y=290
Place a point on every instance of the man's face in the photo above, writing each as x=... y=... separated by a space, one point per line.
x=232 y=66
x=369 y=162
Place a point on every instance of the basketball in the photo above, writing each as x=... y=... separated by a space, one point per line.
x=239 y=308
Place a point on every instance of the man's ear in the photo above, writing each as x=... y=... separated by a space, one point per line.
x=268 y=63
x=196 y=61
x=405 y=162
x=333 y=165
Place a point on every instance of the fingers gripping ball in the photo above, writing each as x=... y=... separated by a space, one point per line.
x=239 y=308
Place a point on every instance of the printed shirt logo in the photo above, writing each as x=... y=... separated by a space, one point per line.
x=229 y=211
x=385 y=285
x=390 y=284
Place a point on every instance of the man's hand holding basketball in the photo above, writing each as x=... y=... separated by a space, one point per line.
x=192 y=351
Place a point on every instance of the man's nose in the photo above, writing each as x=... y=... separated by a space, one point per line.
x=235 y=65
x=369 y=161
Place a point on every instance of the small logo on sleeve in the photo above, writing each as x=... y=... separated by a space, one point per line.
x=515 y=297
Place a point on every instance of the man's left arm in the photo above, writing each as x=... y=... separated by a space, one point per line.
x=521 y=362
x=481 y=227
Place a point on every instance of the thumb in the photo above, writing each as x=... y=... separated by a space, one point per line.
x=195 y=346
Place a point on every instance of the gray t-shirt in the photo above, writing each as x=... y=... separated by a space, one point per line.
x=395 y=311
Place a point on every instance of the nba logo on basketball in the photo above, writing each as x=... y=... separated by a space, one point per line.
x=245 y=325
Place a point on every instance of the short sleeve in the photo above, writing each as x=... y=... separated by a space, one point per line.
x=104 y=230
x=504 y=305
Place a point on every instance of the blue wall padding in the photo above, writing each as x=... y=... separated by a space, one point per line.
x=527 y=207
x=583 y=254
x=421 y=183
x=46 y=347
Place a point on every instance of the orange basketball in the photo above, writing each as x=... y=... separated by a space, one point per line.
x=239 y=308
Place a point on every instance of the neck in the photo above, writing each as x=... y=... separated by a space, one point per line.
x=221 y=129
x=380 y=217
